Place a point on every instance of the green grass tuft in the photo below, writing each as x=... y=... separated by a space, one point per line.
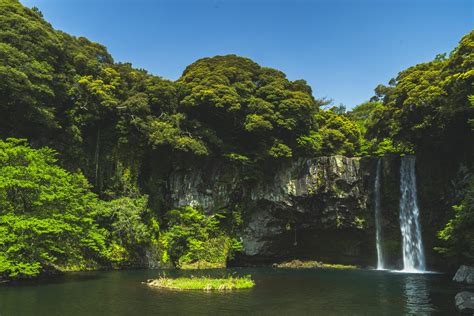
x=202 y=283
x=299 y=264
x=201 y=264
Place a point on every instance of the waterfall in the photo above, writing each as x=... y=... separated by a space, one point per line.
x=413 y=256
x=377 y=211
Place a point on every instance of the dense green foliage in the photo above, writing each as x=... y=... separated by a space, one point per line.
x=46 y=214
x=99 y=196
x=458 y=234
x=67 y=93
x=364 y=115
x=194 y=239
x=50 y=220
x=427 y=107
x=130 y=228
x=240 y=108
x=108 y=118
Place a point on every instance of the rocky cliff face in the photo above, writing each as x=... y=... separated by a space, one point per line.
x=317 y=209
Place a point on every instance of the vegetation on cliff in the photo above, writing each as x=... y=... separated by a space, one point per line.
x=458 y=234
x=196 y=240
x=304 y=264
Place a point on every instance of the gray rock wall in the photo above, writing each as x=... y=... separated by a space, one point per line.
x=316 y=208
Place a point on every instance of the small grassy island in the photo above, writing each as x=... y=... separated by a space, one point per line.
x=202 y=283
x=299 y=264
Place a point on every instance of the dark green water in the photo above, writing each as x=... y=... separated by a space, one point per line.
x=277 y=292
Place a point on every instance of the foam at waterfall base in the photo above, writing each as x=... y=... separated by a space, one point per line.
x=413 y=271
x=407 y=271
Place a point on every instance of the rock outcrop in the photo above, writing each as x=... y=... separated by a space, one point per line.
x=314 y=208
x=465 y=274
x=465 y=302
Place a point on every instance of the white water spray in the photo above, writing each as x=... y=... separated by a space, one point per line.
x=413 y=254
x=377 y=211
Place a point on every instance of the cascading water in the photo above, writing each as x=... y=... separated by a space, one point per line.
x=377 y=211
x=413 y=255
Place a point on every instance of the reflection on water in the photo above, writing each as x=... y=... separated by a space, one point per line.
x=383 y=296
x=417 y=295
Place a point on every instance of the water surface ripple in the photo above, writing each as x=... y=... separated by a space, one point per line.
x=278 y=292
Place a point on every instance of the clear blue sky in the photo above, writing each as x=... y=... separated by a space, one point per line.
x=343 y=48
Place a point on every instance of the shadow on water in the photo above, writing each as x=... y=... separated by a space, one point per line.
x=57 y=279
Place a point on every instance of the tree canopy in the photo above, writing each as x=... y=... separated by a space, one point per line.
x=429 y=107
x=239 y=107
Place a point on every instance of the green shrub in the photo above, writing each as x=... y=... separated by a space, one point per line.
x=458 y=234
x=46 y=214
x=128 y=232
x=195 y=239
